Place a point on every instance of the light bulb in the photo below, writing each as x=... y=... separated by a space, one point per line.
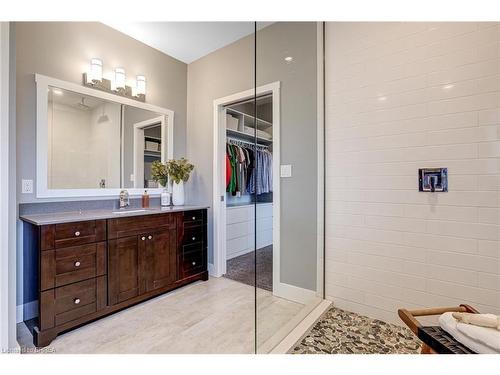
x=95 y=70
x=119 y=78
x=140 y=85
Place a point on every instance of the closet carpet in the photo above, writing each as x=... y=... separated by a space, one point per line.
x=343 y=332
x=242 y=268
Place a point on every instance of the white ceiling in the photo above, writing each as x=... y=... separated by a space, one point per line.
x=186 y=41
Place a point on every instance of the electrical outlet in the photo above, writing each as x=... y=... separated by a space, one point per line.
x=27 y=187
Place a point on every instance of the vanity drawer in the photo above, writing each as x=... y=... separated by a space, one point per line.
x=193 y=218
x=192 y=259
x=193 y=234
x=68 y=265
x=135 y=225
x=70 y=302
x=78 y=233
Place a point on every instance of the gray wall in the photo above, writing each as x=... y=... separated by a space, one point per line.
x=63 y=50
x=230 y=70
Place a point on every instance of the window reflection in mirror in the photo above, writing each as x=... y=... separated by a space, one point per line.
x=83 y=141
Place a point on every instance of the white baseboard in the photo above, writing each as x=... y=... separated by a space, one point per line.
x=27 y=311
x=294 y=293
x=211 y=270
x=287 y=343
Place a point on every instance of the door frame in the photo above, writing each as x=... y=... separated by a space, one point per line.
x=139 y=140
x=8 y=286
x=218 y=268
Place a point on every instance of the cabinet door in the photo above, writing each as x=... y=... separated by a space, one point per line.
x=161 y=259
x=126 y=257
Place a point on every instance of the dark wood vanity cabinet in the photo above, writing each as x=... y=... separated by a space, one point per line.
x=93 y=268
x=140 y=264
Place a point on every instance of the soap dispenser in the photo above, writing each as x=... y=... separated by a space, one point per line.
x=145 y=199
x=165 y=198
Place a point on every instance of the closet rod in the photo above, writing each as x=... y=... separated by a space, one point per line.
x=238 y=142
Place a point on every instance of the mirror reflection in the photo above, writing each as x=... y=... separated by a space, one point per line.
x=99 y=144
x=144 y=141
x=84 y=141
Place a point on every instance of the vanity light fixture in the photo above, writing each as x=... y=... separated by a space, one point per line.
x=95 y=70
x=94 y=78
x=119 y=79
x=140 y=85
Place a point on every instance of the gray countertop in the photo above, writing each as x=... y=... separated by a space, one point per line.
x=67 y=217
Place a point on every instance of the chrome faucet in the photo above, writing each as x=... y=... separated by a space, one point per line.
x=124 y=200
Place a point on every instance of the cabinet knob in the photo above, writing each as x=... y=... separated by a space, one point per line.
x=194 y=263
x=76 y=301
x=77 y=264
x=143 y=238
x=150 y=237
x=77 y=233
x=194 y=238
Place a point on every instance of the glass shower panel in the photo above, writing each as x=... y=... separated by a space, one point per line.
x=220 y=74
x=288 y=194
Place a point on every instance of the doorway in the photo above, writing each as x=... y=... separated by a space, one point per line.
x=149 y=145
x=235 y=210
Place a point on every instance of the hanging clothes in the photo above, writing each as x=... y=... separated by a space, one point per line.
x=229 y=171
x=250 y=170
x=231 y=187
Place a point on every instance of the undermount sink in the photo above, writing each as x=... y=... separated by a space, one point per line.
x=123 y=212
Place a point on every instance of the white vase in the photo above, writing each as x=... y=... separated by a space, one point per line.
x=178 y=194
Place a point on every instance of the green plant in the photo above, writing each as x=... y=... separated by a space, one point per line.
x=179 y=170
x=159 y=173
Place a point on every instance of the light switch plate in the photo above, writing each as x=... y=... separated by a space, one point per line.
x=286 y=170
x=27 y=186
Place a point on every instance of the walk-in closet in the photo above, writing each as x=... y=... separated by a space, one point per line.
x=249 y=191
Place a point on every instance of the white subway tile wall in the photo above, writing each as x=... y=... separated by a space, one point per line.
x=403 y=96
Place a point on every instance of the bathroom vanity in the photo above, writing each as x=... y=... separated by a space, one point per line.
x=81 y=261
x=95 y=263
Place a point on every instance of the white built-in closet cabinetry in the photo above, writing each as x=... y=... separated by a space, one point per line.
x=240 y=228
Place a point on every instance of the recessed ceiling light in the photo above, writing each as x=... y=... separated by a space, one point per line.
x=57 y=91
x=288 y=59
x=449 y=86
x=382 y=98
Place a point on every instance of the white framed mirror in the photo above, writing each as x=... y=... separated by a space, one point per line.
x=94 y=143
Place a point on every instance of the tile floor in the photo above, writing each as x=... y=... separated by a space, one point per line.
x=343 y=332
x=216 y=316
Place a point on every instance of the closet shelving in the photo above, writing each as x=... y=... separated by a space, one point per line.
x=248 y=120
x=152 y=152
x=248 y=125
x=149 y=151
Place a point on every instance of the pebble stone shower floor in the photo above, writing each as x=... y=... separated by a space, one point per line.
x=343 y=332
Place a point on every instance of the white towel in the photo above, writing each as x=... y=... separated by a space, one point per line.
x=450 y=325
x=485 y=335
